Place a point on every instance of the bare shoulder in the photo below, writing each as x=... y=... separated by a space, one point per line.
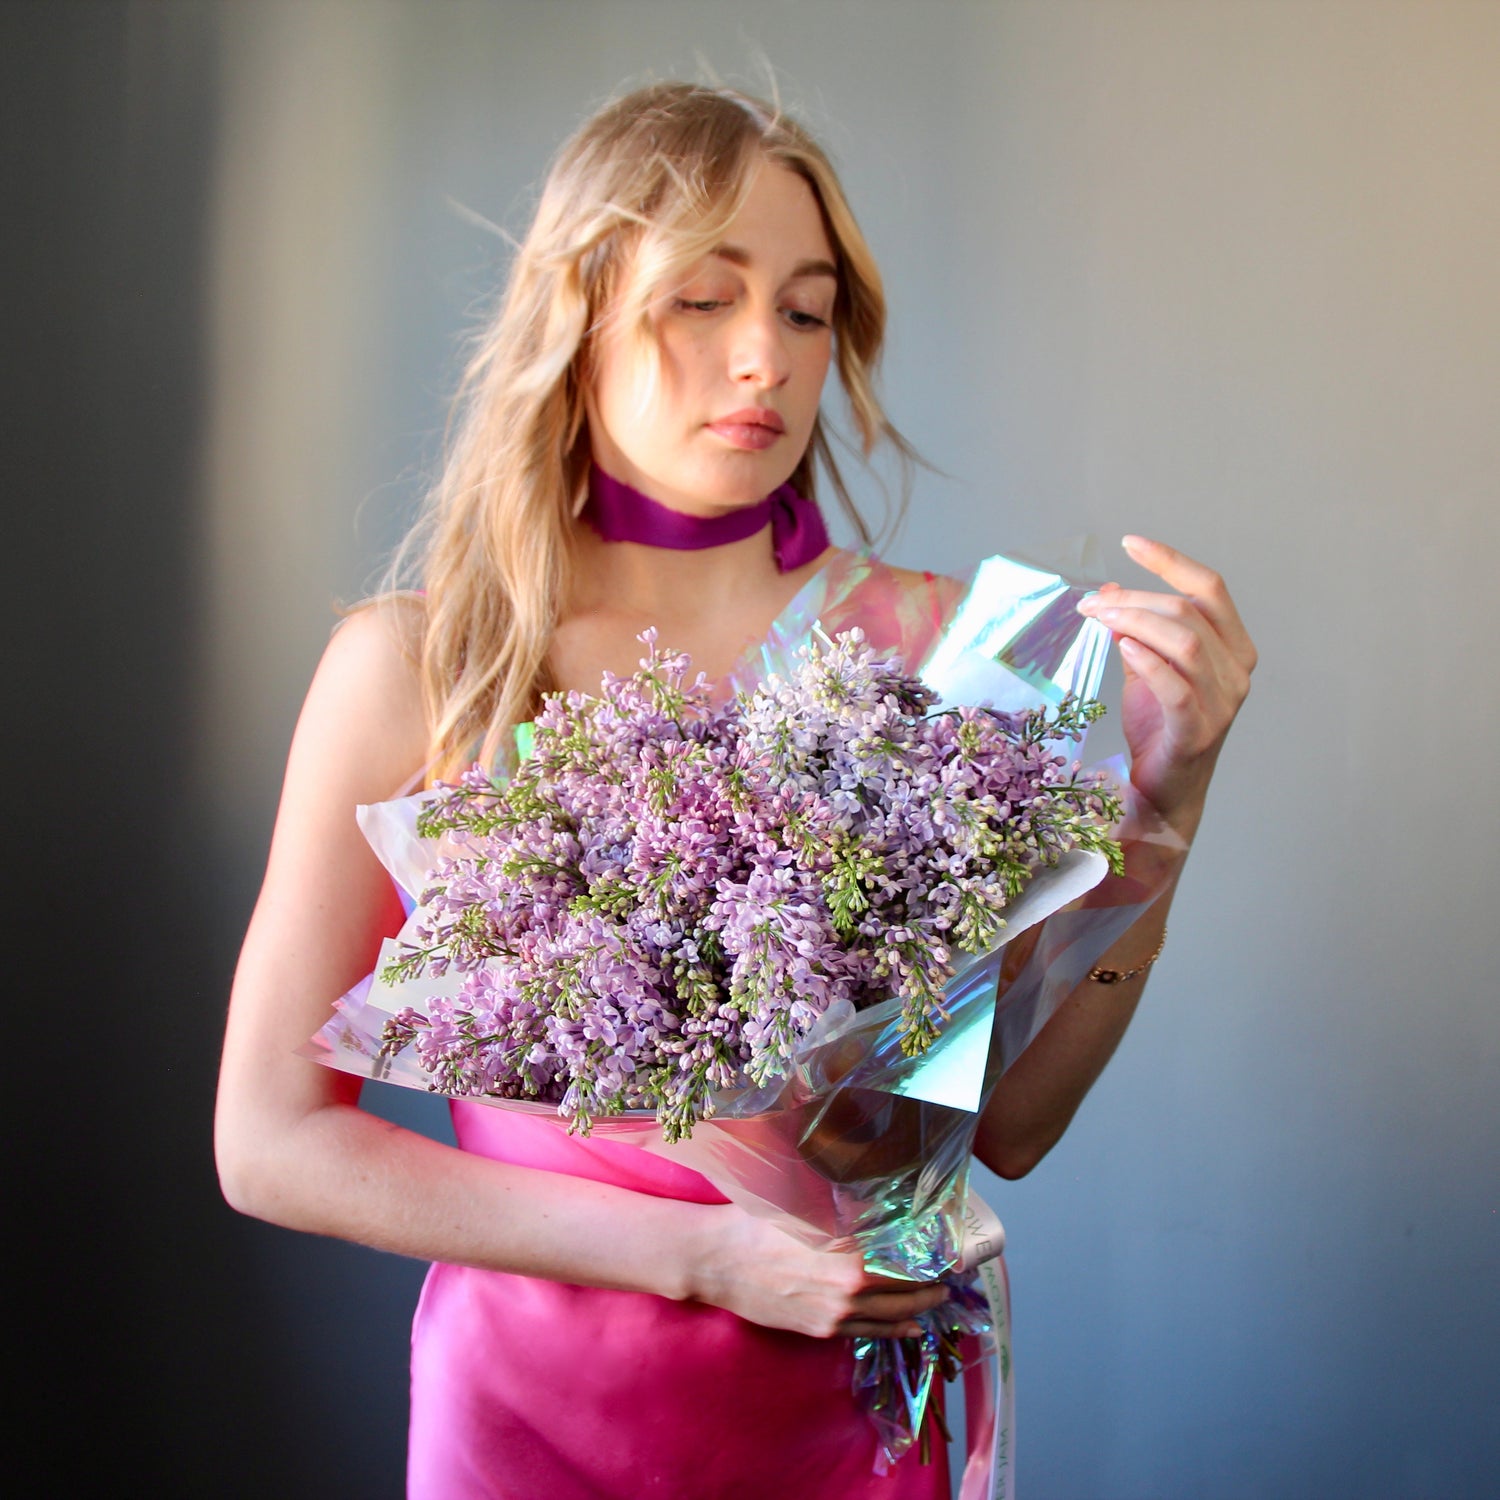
x=364 y=720
x=937 y=588
x=381 y=638
x=917 y=578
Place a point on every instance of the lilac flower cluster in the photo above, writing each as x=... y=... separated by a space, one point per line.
x=668 y=893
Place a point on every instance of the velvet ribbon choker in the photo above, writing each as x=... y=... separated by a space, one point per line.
x=622 y=514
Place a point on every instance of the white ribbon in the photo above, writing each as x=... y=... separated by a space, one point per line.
x=989 y=1386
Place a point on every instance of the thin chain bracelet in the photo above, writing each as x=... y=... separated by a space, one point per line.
x=1119 y=976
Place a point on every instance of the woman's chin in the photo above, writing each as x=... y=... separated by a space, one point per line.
x=745 y=478
x=719 y=495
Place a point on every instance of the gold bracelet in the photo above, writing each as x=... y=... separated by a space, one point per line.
x=1119 y=976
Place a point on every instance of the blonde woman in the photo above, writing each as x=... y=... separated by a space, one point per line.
x=640 y=444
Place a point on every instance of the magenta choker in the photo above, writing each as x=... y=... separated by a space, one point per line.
x=622 y=514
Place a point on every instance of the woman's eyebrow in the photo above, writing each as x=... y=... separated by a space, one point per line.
x=738 y=257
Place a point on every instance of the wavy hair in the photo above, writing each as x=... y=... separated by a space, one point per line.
x=639 y=194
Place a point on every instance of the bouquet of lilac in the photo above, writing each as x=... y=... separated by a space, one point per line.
x=802 y=933
x=668 y=894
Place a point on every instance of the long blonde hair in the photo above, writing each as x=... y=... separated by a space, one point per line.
x=639 y=194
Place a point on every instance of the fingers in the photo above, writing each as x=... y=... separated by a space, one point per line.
x=1189 y=649
x=891 y=1315
x=1171 y=566
x=1175 y=627
x=857 y=1330
x=764 y=1274
x=1201 y=584
x=1169 y=625
x=872 y=1281
x=1187 y=661
x=897 y=1307
x=1199 y=625
x=1172 y=689
x=1187 y=666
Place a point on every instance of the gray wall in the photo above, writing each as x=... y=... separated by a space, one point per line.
x=1218 y=272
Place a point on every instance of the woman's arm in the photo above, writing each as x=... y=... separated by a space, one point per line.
x=1188 y=660
x=294 y=1148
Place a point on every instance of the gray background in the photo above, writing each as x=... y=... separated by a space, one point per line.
x=1219 y=272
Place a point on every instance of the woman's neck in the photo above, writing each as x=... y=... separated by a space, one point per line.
x=714 y=604
x=667 y=585
x=709 y=589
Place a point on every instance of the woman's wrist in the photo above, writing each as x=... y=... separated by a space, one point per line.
x=1114 y=974
x=1175 y=800
x=691 y=1255
x=1153 y=854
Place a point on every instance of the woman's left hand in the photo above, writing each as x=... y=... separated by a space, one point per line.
x=1188 y=661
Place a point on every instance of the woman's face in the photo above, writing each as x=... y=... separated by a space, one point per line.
x=744 y=344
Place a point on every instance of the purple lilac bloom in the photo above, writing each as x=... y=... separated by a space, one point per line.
x=667 y=894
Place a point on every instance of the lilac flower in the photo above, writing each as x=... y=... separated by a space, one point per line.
x=669 y=893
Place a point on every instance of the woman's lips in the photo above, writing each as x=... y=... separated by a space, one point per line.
x=753 y=428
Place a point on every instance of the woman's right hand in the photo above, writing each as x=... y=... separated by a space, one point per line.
x=762 y=1274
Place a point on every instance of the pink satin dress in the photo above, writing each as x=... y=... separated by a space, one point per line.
x=525 y=1389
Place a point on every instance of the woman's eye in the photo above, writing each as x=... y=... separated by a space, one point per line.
x=698 y=304
x=800 y=319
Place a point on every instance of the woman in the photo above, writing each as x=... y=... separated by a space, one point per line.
x=601 y=1322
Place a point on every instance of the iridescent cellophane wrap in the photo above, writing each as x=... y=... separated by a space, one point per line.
x=858 y=1146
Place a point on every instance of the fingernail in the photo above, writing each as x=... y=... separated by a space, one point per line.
x=1130 y=541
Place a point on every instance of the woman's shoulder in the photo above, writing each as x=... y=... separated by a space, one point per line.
x=365 y=709
x=920 y=592
x=864 y=566
x=385 y=629
x=901 y=610
x=376 y=648
x=922 y=583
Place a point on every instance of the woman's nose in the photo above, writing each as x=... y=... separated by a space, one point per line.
x=759 y=354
